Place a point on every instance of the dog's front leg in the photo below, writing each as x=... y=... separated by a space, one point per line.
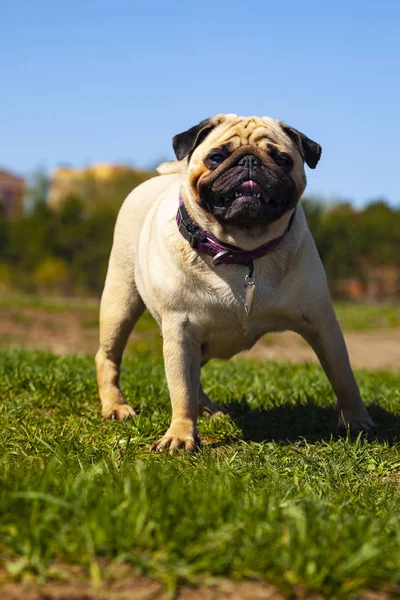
x=182 y=358
x=324 y=335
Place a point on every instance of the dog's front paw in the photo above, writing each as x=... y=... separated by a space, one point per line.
x=118 y=412
x=357 y=423
x=181 y=435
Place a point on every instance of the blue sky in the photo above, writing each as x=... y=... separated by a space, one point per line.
x=92 y=81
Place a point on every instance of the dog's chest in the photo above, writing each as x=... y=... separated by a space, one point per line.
x=232 y=337
x=227 y=327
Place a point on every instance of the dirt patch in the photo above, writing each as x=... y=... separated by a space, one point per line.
x=76 y=331
x=367 y=349
x=139 y=588
x=144 y=588
x=62 y=332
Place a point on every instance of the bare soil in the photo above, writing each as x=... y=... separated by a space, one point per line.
x=367 y=349
x=139 y=588
x=76 y=331
x=125 y=585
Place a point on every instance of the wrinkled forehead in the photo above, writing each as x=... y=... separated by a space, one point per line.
x=243 y=131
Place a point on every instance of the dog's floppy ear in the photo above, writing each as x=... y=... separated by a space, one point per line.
x=309 y=150
x=184 y=143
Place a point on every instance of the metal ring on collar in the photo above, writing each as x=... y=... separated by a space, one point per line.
x=215 y=261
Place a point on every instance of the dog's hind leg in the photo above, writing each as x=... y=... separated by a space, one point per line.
x=121 y=306
x=324 y=335
x=207 y=407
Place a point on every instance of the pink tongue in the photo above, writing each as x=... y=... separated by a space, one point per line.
x=250 y=186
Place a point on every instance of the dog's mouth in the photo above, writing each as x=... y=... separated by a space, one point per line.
x=248 y=191
x=248 y=197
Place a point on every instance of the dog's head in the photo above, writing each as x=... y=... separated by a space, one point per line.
x=246 y=171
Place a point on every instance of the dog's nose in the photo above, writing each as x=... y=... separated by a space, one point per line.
x=249 y=161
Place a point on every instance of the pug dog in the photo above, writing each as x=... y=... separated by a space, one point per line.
x=218 y=249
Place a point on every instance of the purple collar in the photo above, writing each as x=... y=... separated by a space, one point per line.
x=222 y=253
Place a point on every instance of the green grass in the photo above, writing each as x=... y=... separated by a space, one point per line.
x=352 y=316
x=270 y=494
x=52 y=303
x=367 y=317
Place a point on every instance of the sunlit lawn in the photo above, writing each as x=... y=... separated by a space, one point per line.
x=270 y=494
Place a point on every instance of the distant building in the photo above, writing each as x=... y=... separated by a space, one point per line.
x=86 y=182
x=12 y=191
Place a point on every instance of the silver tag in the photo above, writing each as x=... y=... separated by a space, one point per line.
x=249 y=293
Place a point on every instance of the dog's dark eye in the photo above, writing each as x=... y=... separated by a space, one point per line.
x=215 y=158
x=283 y=160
